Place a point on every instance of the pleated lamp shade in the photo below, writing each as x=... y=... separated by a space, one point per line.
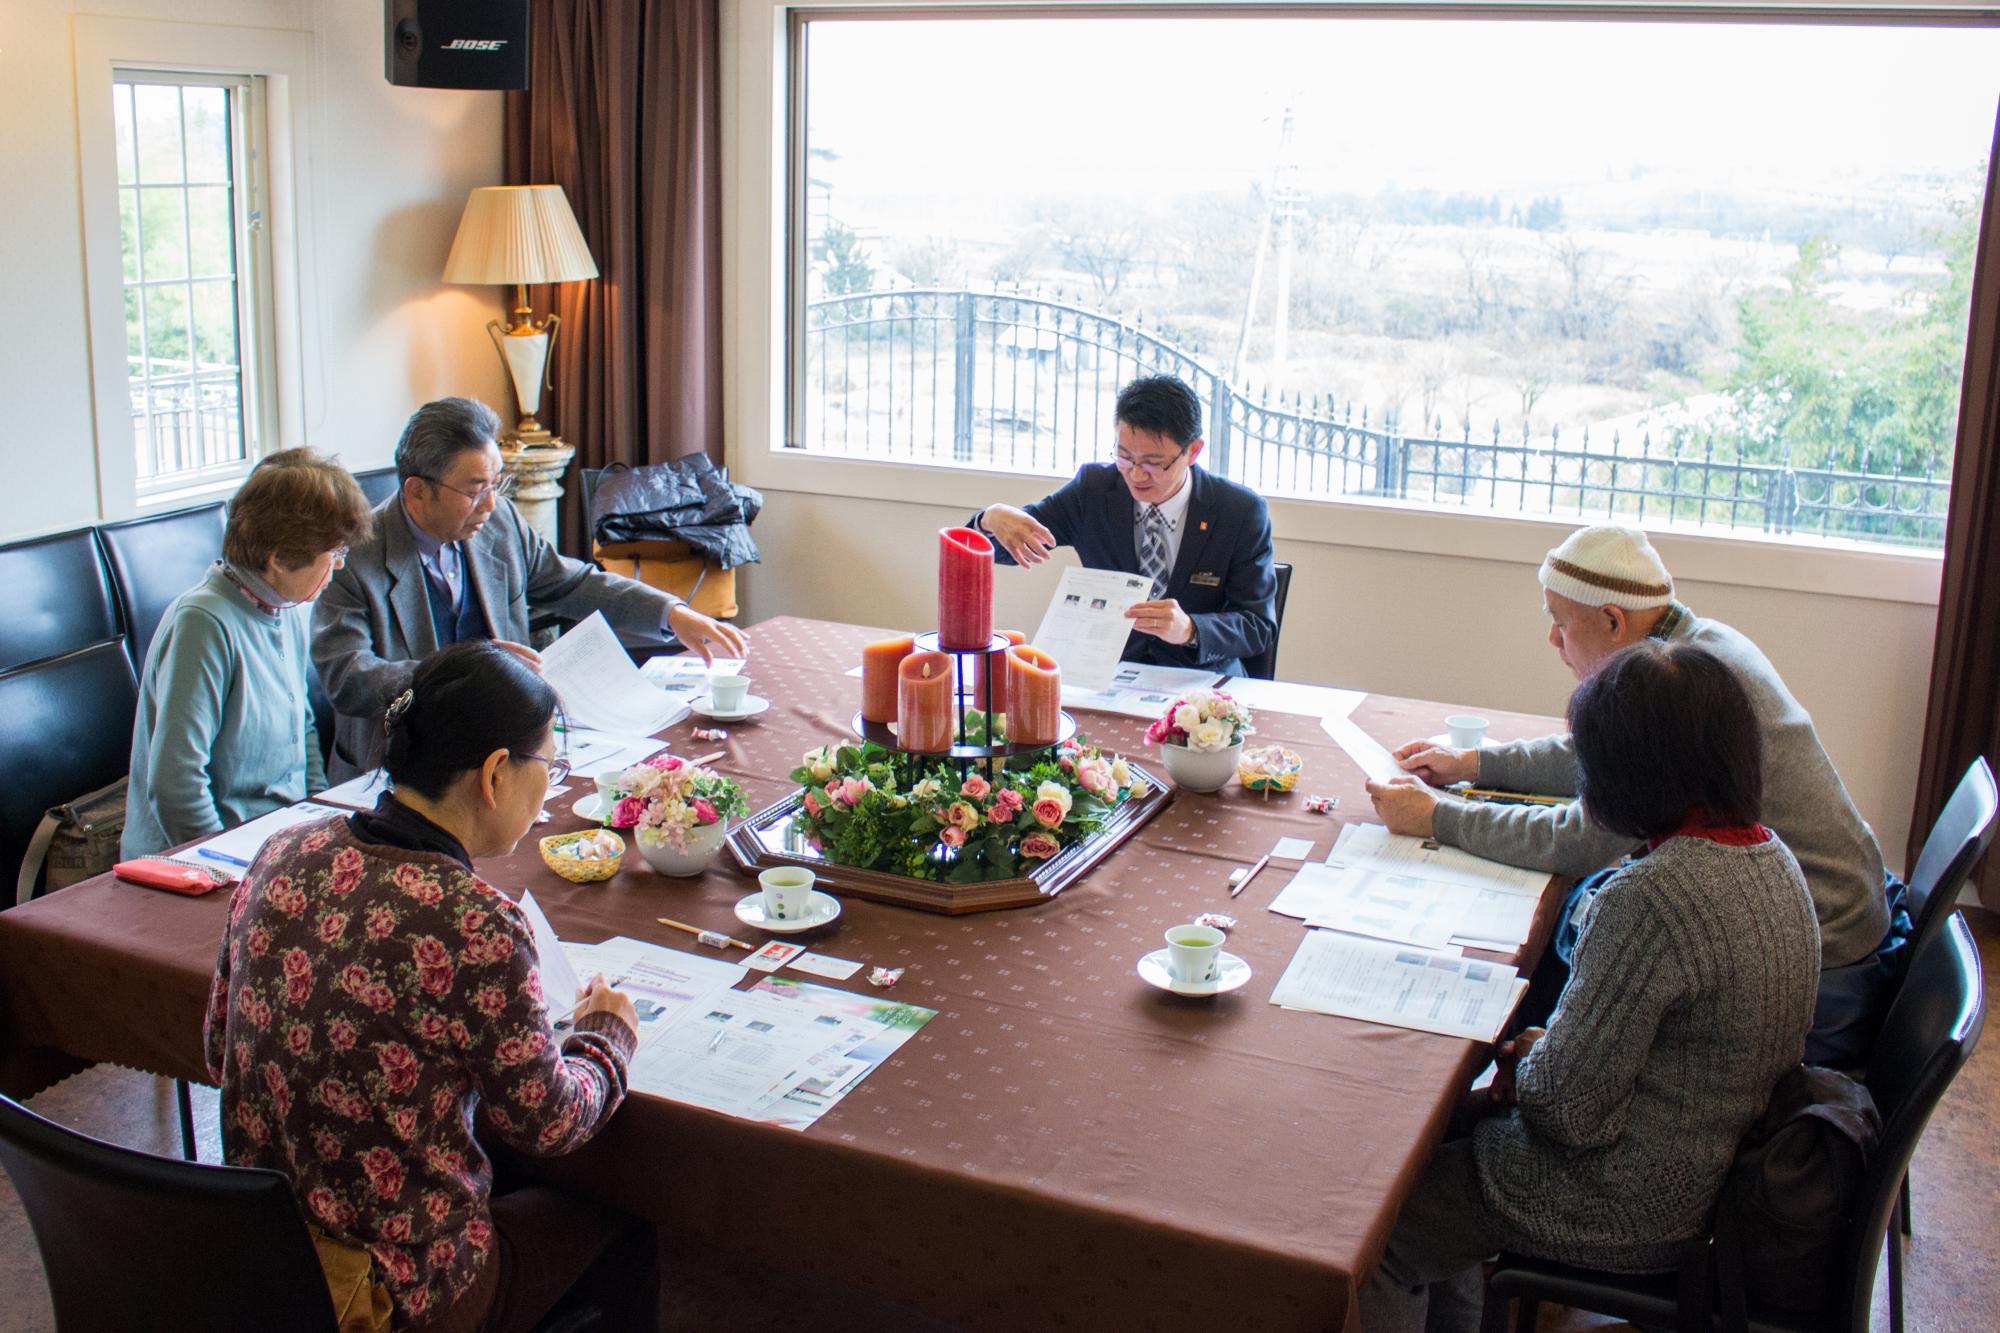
x=518 y=234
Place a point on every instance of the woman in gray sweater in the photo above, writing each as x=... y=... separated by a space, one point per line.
x=1607 y=1136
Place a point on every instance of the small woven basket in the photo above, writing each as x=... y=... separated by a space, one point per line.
x=574 y=868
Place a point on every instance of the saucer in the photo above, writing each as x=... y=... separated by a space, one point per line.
x=1443 y=741
x=823 y=908
x=589 y=806
x=1231 y=972
x=752 y=705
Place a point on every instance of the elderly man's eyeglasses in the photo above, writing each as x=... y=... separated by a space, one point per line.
x=1152 y=467
x=488 y=490
x=557 y=765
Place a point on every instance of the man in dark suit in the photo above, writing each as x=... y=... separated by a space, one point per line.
x=450 y=559
x=1205 y=541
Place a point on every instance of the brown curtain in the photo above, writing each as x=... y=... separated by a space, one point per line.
x=622 y=111
x=1963 y=720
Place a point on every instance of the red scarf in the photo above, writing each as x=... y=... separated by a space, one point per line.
x=1697 y=825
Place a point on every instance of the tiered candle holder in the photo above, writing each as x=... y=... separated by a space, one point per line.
x=966 y=697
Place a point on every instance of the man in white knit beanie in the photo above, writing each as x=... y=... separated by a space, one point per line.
x=1605 y=588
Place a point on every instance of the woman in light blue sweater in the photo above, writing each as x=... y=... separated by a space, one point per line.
x=225 y=730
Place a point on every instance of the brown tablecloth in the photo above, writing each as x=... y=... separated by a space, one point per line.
x=1062 y=1147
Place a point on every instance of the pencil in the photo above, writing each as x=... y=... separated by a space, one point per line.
x=714 y=937
x=1250 y=874
x=1526 y=798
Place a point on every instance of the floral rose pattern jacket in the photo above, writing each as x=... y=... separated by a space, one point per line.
x=366 y=999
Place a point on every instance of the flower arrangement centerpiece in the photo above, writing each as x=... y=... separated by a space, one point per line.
x=679 y=812
x=1200 y=737
x=866 y=807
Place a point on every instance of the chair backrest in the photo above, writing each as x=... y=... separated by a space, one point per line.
x=54 y=598
x=130 y=1240
x=1926 y=1039
x=156 y=559
x=65 y=730
x=1961 y=835
x=1264 y=666
x=377 y=483
x=586 y=480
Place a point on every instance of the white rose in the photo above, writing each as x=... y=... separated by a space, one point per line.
x=1120 y=773
x=1211 y=735
x=1187 y=717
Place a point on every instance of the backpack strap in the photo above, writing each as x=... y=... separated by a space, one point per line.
x=38 y=852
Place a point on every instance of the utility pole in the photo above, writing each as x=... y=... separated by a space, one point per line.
x=1281 y=206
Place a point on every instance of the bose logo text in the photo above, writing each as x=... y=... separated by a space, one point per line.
x=472 y=44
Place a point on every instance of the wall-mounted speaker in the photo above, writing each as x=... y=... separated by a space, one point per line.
x=457 y=43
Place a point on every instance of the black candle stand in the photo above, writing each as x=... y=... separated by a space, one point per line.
x=965 y=753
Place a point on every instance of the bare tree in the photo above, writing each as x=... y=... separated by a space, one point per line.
x=1102 y=244
x=1588 y=297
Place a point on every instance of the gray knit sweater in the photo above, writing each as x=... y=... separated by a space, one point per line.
x=1690 y=995
x=1804 y=802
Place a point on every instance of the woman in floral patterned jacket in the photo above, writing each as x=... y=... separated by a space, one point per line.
x=372 y=991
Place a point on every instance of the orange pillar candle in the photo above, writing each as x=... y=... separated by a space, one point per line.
x=1034 y=696
x=879 y=661
x=924 y=703
x=996 y=662
x=965 y=589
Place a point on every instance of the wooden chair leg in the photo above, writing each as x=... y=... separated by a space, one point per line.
x=187 y=1120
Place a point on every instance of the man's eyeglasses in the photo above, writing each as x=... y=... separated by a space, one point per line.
x=557 y=765
x=500 y=489
x=1152 y=467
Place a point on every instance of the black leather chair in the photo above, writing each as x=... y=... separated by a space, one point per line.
x=65 y=730
x=1961 y=835
x=130 y=1240
x=378 y=483
x=1264 y=666
x=54 y=598
x=1926 y=1039
x=156 y=559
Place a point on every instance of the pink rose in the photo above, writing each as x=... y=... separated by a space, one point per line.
x=1161 y=732
x=429 y=951
x=812 y=806
x=666 y=763
x=628 y=812
x=399 y=1066
x=331 y=927
x=396 y=1229
x=340 y=1034
x=975 y=788
x=381 y=923
x=490 y=1000
x=853 y=789
x=952 y=836
x=478 y=1234
x=404 y=1122
x=347 y=865
x=299 y=1039
x=704 y=811
x=1011 y=800
x=384 y=1171
x=1038 y=846
x=1049 y=812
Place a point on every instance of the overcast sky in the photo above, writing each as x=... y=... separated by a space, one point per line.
x=1183 y=104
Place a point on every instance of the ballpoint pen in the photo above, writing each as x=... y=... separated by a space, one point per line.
x=223 y=857
x=715 y=939
x=1250 y=874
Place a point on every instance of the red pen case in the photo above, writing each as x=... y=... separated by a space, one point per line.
x=157 y=872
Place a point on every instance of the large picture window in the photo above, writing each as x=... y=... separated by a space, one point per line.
x=1690 y=273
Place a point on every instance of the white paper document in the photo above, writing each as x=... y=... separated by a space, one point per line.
x=1137 y=689
x=592 y=752
x=685 y=674
x=1284 y=696
x=232 y=850
x=782 y=1052
x=1399 y=986
x=1373 y=845
x=356 y=793
x=1381 y=905
x=665 y=984
x=1085 y=627
x=559 y=980
x=1368 y=754
x=600 y=688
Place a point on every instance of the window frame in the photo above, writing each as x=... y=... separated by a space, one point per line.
x=280 y=62
x=251 y=272
x=763 y=309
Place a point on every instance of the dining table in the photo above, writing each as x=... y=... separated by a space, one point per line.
x=1064 y=1146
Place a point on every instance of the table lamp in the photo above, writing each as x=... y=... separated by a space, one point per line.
x=521 y=234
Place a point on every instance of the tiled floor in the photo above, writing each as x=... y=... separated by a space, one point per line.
x=1953 y=1270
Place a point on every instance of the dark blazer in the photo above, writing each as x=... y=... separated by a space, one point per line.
x=1222 y=578
x=373 y=624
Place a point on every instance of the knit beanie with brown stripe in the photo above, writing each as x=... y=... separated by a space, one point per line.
x=1608 y=565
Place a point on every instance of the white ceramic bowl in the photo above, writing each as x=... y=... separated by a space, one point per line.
x=1200 y=770
x=702 y=845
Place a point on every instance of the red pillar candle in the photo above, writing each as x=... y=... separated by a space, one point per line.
x=879 y=661
x=1034 y=696
x=996 y=662
x=965 y=589
x=924 y=703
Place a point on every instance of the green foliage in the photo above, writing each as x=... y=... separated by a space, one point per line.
x=843 y=264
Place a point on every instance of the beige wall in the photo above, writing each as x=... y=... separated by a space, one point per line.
x=389 y=172
x=1461 y=630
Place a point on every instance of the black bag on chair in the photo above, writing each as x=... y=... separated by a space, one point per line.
x=1788 y=1201
x=689 y=500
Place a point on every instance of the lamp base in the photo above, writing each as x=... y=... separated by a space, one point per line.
x=537 y=469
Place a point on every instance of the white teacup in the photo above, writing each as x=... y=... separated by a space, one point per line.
x=727 y=693
x=607 y=788
x=1193 y=952
x=1468 y=730
x=787 y=891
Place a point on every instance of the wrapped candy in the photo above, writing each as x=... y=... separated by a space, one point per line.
x=1220 y=920
x=1322 y=805
x=710 y=734
x=884 y=977
x=1269 y=768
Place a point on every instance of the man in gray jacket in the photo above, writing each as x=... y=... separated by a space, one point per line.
x=1605 y=587
x=451 y=559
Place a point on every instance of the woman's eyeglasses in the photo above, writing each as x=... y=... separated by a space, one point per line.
x=557 y=765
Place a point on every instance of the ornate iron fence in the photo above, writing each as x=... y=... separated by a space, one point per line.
x=1019 y=382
